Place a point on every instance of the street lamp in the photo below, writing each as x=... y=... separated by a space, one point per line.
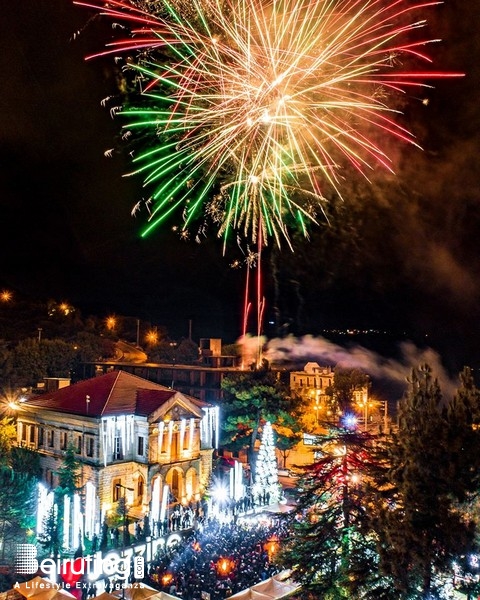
x=111 y=323
x=152 y=336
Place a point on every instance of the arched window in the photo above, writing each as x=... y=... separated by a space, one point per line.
x=140 y=489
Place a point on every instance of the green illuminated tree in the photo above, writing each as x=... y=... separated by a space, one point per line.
x=252 y=398
x=51 y=537
x=8 y=436
x=17 y=508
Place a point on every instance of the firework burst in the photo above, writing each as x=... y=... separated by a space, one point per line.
x=248 y=113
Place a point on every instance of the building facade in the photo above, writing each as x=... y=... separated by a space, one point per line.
x=136 y=441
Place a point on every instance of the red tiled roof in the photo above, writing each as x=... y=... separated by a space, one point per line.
x=114 y=393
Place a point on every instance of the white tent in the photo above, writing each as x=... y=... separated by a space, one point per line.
x=32 y=587
x=250 y=594
x=164 y=596
x=278 y=586
x=278 y=507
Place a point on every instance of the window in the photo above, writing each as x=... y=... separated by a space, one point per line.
x=165 y=437
x=78 y=447
x=50 y=478
x=89 y=443
x=140 y=487
x=116 y=489
x=117 y=448
x=24 y=433
x=41 y=436
x=32 y=434
x=141 y=445
x=51 y=438
x=63 y=440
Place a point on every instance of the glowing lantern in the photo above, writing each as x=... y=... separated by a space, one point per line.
x=225 y=566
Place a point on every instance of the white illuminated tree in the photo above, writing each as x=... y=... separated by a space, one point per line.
x=265 y=488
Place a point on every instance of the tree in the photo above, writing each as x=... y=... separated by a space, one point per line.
x=17 y=508
x=69 y=472
x=59 y=357
x=5 y=363
x=28 y=363
x=332 y=547
x=69 y=475
x=252 y=398
x=34 y=360
x=345 y=383
x=27 y=461
x=285 y=443
x=462 y=415
x=51 y=537
x=164 y=352
x=266 y=469
x=421 y=530
x=188 y=352
x=8 y=436
x=90 y=347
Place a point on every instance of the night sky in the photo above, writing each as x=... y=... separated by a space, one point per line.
x=401 y=254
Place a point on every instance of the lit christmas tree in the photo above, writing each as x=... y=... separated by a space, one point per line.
x=266 y=488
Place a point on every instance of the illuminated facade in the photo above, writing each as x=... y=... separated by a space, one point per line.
x=312 y=383
x=312 y=378
x=133 y=438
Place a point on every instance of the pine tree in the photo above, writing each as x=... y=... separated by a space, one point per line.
x=51 y=537
x=17 y=508
x=421 y=531
x=69 y=476
x=462 y=416
x=266 y=485
x=69 y=473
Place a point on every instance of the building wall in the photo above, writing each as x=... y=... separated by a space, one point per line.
x=182 y=458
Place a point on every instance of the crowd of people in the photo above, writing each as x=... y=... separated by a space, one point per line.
x=220 y=559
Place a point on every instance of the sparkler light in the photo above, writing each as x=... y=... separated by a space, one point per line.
x=249 y=113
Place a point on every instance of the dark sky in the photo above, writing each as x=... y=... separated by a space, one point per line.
x=401 y=254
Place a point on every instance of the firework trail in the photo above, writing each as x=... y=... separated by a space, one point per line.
x=250 y=114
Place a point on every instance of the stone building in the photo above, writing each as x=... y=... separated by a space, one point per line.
x=134 y=438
